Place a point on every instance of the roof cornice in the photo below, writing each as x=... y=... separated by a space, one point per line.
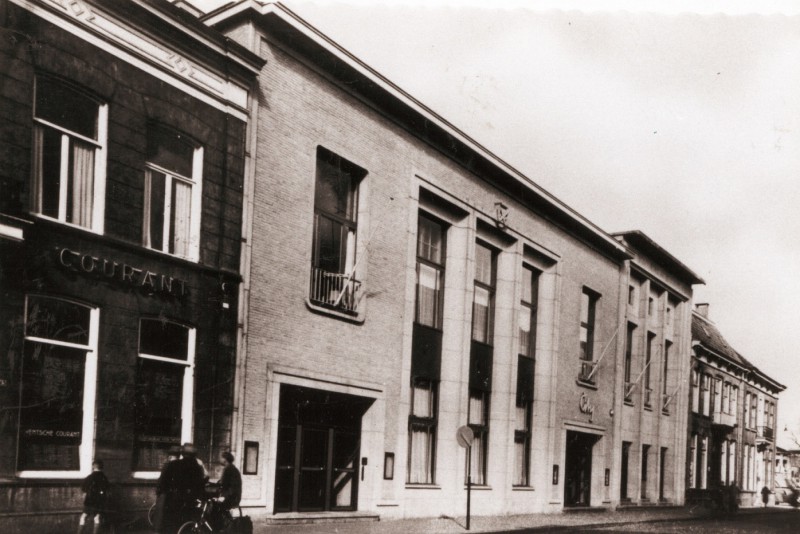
x=491 y=164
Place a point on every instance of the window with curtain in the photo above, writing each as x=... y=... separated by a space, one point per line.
x=333 y=280
x=483 y=297
x=172 y=193
x=430 y=271
x=588 y=305
x=164 y=391
x=525 y=369
x=478 y=420
x=68 y=163
x=57 y=387
x=422 y=432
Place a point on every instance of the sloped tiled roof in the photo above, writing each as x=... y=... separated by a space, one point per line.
x=709 y=336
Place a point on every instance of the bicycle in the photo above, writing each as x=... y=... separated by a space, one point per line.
x=210 y=518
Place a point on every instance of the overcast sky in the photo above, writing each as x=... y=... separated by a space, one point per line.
x=676 y=118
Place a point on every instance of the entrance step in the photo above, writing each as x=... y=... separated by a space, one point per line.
x=579 y=509
x=307 y=518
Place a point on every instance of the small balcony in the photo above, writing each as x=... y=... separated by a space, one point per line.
x=723 y=419
x=587 y=374
x=765 y=433
x=629 y=387
x=648 y=395
x=335 y=290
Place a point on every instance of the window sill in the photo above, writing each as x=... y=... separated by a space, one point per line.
x=423 y=487
x=53 y=220
x=587 y=385
x=523 y=488
x=479 y=487
x=648 y=408
x=349 y=317
x=628 y=402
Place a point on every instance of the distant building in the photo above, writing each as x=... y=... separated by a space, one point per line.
x=403 y=282
x=733 y=410
x=121 y=171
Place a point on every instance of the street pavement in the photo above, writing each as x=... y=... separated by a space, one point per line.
x=778 y=519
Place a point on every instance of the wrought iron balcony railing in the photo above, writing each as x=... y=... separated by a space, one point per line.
x=587 y=372
x=629 y=387
x=335 y=290
x=766 y=432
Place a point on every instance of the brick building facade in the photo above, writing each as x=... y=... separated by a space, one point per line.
x=121 y=175
x=401 y=282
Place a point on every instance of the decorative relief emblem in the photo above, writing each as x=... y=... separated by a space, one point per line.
x=585 y=406
x=501 y=214
x=76 y=8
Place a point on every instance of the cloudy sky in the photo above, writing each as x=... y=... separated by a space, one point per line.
x=676 y=118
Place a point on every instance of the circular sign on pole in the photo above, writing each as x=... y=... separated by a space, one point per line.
x=464 y=436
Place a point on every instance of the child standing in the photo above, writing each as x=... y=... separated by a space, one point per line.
x=95 y=486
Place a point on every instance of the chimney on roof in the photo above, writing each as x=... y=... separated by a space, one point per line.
x=702 y=309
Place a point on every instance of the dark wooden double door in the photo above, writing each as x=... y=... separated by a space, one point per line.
x=319 y=444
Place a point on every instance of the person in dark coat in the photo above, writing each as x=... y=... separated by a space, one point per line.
x=95 y=486
x=173 y=454
x=230 y=483
x=182 y=482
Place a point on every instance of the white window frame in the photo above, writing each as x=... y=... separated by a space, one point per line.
x=86 y=448
x=196 y=182
x=100 y=155
x=187 y=398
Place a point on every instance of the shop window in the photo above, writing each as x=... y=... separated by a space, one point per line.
x=164 y=392
x=56 y=417
x=422 y=432
x=172 y=194
x=333 y=271
x=69 y=154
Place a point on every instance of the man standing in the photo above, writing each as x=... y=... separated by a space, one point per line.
x=230 y=483
x=183 y=482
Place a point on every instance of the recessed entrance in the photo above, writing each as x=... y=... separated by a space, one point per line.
x=578 y=468
x=319 y=443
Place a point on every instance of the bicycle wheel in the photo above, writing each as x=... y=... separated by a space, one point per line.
x=193 y=527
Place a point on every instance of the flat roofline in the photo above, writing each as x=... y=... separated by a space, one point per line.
x=311 y=33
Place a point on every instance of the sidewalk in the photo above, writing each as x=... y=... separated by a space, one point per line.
x=564 y=521
x=544 y=522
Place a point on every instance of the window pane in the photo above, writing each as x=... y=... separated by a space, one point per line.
x=170 y=151
x=477 y=456
x=420 y=470
x=158 y=405
x=423 y=400
x=520 y=463
x=330 y=257
x=80 y=191
x=60 y=104
x=524 y=330
x=483 y=264
x=521 y=416
x=57 y=319
x=428 y=295
x=155 y=209
x=163 y=338
x=429 y=240
x=50 y=170
x=480 y=315
x=335 y=189
x=181 y=224
x=51 y=418
x=584 y=308
x=476 y=409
